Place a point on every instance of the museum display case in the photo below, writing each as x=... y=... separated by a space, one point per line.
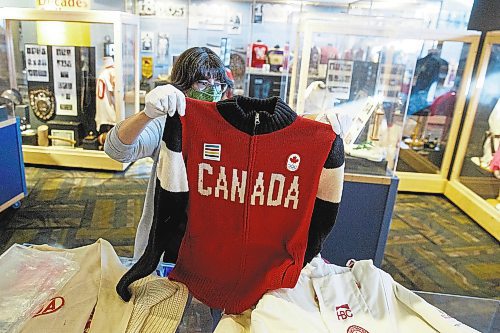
x=78 y=75
x=436 y=103
x=355 y=72
x=475 y=178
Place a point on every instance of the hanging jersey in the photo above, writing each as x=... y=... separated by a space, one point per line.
x=105 y=102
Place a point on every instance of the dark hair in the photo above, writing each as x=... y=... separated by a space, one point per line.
x=197 y=63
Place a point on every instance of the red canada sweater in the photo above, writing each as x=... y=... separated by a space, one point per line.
x=257 y=187
x=250 y=203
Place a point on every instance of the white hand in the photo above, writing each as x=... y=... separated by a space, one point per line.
x=165 y=100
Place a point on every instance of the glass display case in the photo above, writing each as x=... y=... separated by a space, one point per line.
x=474 y=185
x=77 y=73
x=439 y=88
x=358 y=71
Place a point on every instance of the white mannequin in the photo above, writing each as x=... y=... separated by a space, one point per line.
x=105 y=94
x=492 y=140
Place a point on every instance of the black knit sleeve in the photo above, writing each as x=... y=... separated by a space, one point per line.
x=170 y=204
x=327 y=200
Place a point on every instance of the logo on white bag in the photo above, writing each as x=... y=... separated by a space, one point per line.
x=51 y=306
x=356 y=329
x=343 y=311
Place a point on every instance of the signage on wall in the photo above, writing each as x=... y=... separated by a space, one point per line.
x=37 y=67
x=63 y=62
x=63 y=4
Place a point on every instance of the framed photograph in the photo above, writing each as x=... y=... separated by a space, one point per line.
x=62 y=134
x=147 y=38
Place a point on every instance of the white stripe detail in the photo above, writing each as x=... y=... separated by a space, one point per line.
x=171 y=170
x=331 y=183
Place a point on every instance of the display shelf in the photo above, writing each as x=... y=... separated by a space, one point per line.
x=71 y=157
x=259 y=71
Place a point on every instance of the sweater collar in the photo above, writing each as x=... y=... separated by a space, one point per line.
x=240 y=111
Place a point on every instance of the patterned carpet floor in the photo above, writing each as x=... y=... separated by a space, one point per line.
x=432 y=245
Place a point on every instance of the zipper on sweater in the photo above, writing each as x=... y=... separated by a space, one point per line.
x=250 y=165
x=256 y=122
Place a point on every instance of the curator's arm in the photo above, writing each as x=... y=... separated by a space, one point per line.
x=134 y=138
x=327 y=199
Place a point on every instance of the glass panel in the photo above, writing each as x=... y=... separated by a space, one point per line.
x=129 y=62
x=480 y=171
x=478 y=313
x=431 y=106
x=4 y=76
x=363 y=82
x=67 y=79
x=163 y=37
x=267 y=53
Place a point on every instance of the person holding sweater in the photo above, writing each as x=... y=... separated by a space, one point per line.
x=162 y=138
x=198 y=73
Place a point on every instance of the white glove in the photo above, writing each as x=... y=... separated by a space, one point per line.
x=165 y=100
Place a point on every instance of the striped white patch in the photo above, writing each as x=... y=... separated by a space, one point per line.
x=171 y=170
x=331 y=183
x=211 y=151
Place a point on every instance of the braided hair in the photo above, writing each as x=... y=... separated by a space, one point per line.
x=198 y=63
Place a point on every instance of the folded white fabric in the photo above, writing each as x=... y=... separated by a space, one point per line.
x=89 y=302
x=330 y=298
x=89 y=294
x=158 y=305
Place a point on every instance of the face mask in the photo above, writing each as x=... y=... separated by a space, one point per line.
x=209 y=94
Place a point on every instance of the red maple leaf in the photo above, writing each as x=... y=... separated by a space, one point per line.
x=294 y=159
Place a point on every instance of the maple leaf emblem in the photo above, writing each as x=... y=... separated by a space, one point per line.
x=294 y=159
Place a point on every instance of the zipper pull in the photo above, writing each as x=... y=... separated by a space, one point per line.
x=257 y=121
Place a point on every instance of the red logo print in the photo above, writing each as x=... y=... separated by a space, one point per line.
x=52 y=306
x=293 y=162
x=356 y=329
x=343 y=312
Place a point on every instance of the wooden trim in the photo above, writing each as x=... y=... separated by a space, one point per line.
x=418 y=162
x=459 y=109
x=476 y=207
x=11 y=202
x=472 y=108
x=369 y=179
x=88 y=16
x=420 y=182
x=76 y=158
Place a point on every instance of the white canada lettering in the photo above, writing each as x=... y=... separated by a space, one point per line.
x=258 y=190
x=237 y=186
x=273 y=197
x=293 y=193
x=201 y=167
x=221 y=183
x=281 y=180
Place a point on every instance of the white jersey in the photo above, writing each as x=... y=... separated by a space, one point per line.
x=105 y=102
x=330 y=298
